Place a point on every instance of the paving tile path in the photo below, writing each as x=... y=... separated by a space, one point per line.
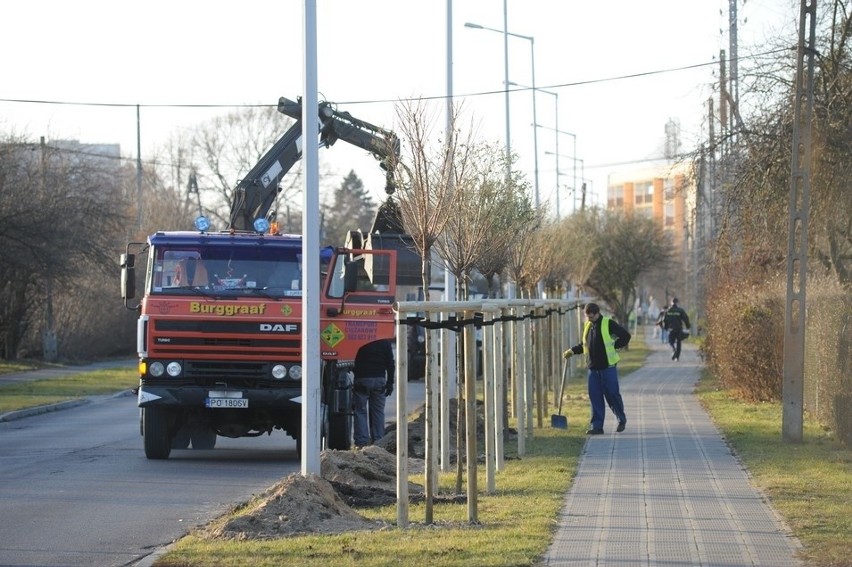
x=667 y=491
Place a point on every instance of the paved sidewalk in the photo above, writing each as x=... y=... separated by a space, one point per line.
x=667 y=491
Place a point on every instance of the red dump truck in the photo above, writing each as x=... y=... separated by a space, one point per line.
x=220 y=315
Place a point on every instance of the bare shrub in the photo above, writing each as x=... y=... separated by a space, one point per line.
x=744 y=346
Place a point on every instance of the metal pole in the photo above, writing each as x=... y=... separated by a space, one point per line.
x=556 y=118
x=311 y=360
x=138 y=170
x=535 y=121
x=506 y=89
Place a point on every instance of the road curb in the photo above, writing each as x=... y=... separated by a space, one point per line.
x=38 y=410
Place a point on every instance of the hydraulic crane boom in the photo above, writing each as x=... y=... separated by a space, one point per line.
x=254 y=195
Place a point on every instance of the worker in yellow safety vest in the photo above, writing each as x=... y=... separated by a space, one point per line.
x=601 y=338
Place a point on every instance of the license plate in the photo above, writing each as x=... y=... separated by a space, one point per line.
x=226 y=403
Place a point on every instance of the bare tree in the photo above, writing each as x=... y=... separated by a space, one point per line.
x=752 y=239
x=578 y=245
x=223 y=149
x=61 y=213
x=626 y=247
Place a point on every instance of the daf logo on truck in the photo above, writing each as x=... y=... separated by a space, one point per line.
x=288 y=328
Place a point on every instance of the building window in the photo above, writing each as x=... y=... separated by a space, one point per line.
x=616 y=197
x=668 y=189
x=644 y=193
x=670 y=220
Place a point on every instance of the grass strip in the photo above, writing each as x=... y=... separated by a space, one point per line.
x=22 y=395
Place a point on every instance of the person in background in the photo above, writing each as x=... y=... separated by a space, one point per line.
x=601 y=338
x=661 y=323
x=653 y=316
x=374 y=381
x=674 y=322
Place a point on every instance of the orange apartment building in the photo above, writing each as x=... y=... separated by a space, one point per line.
x=665 y=193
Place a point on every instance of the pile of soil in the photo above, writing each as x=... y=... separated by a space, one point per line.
x=324 y=504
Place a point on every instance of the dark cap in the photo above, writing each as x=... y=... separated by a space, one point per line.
x=674 y=299
x=592 y=308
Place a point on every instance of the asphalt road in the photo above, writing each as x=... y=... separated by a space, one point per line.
x=76 y=488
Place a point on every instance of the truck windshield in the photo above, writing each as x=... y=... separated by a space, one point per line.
x=228 y=270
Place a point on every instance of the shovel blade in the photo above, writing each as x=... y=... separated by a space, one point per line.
x=559 y=421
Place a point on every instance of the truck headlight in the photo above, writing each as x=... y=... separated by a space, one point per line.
x=174 y=369
x=157 y=369
x=296 y=372
x=279 y=371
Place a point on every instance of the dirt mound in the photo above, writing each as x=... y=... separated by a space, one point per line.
x=313 y=504
x=296 y=505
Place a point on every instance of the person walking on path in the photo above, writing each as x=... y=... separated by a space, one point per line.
x=601 y=338
x=374 y=381
x=674 y=321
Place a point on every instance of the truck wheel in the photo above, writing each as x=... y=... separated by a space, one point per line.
x=339 y=431
x=203 y=438
x=155 y=433
x=181 y=438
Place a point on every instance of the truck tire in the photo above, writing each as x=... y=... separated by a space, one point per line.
x=181 y=438
x=155 y=433
x=336 y=410
x=339 y=431
x=203 y=438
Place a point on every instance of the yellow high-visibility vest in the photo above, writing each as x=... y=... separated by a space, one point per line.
x=609 y=342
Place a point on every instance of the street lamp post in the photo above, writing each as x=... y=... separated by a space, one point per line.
x=556 y=130
x=507 y=83
x=573 y=158
x=582 y=172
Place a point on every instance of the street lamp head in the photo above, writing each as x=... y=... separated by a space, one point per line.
x=472 y=25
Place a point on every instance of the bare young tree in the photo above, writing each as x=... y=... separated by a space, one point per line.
x=424 y=178
x=476 y=226
x=425 y=197
x=525 y=221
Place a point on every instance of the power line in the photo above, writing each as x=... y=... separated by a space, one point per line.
x=380 y=101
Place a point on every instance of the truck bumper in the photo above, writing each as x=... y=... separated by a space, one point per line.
x=164 y=396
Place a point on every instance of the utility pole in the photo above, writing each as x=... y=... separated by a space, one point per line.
x=49 y=343
x=797 y=244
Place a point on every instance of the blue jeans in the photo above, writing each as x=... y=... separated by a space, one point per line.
x=369 y=401
x=603 y=387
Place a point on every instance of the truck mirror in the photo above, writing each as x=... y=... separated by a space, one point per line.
x=350 y=277
x=128 y=276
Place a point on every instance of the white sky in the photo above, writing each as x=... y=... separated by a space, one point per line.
x=372 y=53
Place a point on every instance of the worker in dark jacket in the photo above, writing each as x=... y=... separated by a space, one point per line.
x=374 y=380
x=601 y=337
x=675 y=321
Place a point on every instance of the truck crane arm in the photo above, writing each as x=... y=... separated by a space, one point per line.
x=254 y=195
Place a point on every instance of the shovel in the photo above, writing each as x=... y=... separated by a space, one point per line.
x=558 y=420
